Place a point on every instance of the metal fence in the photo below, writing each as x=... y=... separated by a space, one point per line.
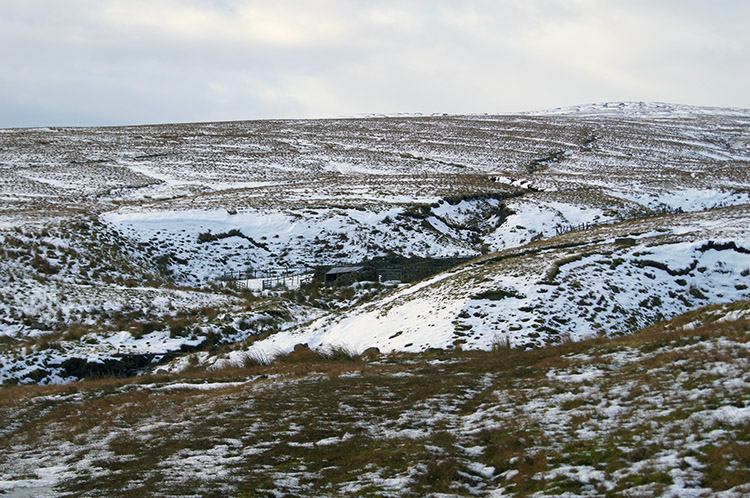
x=270 y=279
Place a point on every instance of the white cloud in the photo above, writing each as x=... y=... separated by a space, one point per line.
x=246 y=23
x=129 y=61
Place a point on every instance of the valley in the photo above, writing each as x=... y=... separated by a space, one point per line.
x=532 y=305
x=115 y=239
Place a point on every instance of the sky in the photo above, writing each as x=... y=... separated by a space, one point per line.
x=116 y=62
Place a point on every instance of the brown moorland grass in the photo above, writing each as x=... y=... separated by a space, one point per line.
x=458 y=423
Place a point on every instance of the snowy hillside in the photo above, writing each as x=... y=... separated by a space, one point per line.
x=663 y=412
x=594 y=220
x=607 y=281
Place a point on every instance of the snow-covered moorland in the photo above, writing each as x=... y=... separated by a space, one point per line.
x=546 y=304
x=662 y=412
x=610 y=280
x=587 y=221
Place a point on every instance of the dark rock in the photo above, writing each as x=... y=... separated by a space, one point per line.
x=370 y=354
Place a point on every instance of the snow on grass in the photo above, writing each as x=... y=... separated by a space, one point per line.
x=47 y=302
x=498 y=424
x=206 y=465
x=387 y=324
x=729 y=415
x=597 y=289
x=588 y=375
x=45 y=364
x=283 y=195
x=267 y=240
x=686 y=199
x=48 y=363
x=583 y=424
x=537 y=217
x=201 y=386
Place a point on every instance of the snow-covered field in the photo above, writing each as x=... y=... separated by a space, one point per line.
x=142 y=252
x=110 y=231
x=610 y=280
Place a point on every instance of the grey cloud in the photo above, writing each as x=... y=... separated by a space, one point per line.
x=87 y=62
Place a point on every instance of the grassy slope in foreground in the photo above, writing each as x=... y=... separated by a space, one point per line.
x=663 y=411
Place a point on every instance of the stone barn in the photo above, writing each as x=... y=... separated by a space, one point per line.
x=343 y=271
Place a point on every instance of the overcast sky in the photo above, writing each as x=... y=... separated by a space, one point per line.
x=106 y=62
